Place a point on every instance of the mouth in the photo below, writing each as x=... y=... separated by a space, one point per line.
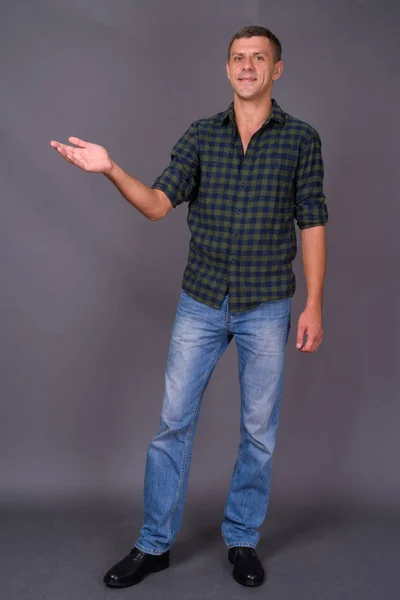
x=247 y=79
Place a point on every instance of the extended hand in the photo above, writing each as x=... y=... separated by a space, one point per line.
x=309 y=323
x=89 y=157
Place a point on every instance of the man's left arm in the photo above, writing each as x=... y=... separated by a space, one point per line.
x=311 y=214
x=314 y=262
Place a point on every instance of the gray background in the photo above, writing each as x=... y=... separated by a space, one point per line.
x=89 y=287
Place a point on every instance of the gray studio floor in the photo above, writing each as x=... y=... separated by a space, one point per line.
x=61 y=552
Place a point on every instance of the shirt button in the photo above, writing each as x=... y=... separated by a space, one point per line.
x=236 y=236
x=233 y=260
x=238 y=212
x=243 y=183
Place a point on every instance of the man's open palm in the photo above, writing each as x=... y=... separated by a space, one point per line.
x=89 y=157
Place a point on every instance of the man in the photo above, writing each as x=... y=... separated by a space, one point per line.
x=247 y=173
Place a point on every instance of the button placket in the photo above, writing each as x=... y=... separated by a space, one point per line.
x=241 y=185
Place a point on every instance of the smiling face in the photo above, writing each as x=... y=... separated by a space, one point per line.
x=252 y=68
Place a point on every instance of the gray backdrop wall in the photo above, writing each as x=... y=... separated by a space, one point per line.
x=89 y=287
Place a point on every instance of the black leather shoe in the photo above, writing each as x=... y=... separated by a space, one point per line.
x=134 y=567
x=247 y=568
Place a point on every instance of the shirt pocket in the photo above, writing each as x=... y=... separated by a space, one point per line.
x=276 y=172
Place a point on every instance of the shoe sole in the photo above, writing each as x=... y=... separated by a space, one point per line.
x=247 y=583
x=155 y=569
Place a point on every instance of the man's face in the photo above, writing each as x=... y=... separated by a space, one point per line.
x=252 y=68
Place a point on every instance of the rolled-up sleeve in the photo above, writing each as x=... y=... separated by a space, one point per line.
x=310 y=206
x=179 y=180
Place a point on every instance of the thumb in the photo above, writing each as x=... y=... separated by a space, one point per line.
x=78 y=142
x=300 y=335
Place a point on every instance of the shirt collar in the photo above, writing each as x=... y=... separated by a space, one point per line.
x=276 y=114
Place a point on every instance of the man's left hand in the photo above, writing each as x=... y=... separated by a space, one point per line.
x=309 y=323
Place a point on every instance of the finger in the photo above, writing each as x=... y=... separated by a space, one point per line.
x=59 y=146
x=301 y=329
x=306 y=348
x=317 y=343
x=72 y=158
x=78 y=142
x=63 y=150
x=68 y=153
x=309 y=345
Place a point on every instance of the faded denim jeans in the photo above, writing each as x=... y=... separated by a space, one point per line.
x=200 y=335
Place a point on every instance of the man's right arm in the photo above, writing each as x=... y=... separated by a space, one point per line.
x=174 y=186
x=152 y=203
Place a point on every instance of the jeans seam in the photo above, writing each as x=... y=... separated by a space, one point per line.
x=187 y=443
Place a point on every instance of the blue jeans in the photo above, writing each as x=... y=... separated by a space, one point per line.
x=200 y=336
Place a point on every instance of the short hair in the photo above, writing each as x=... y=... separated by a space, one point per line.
x=256 y=30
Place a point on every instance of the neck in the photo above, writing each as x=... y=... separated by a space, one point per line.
x=251 y=113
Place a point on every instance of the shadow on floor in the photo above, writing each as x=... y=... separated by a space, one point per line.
x=289 y=527
x=283 y=528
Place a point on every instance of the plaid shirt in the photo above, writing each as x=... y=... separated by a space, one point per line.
x=241 y=207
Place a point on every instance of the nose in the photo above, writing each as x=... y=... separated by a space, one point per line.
x=247 y=63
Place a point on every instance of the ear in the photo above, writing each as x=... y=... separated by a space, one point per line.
x=278 y=70
x=227 y=69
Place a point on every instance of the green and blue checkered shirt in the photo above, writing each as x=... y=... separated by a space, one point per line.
x=242 y=207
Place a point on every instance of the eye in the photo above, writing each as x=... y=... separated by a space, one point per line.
x=237 y=58
x=260 y=58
